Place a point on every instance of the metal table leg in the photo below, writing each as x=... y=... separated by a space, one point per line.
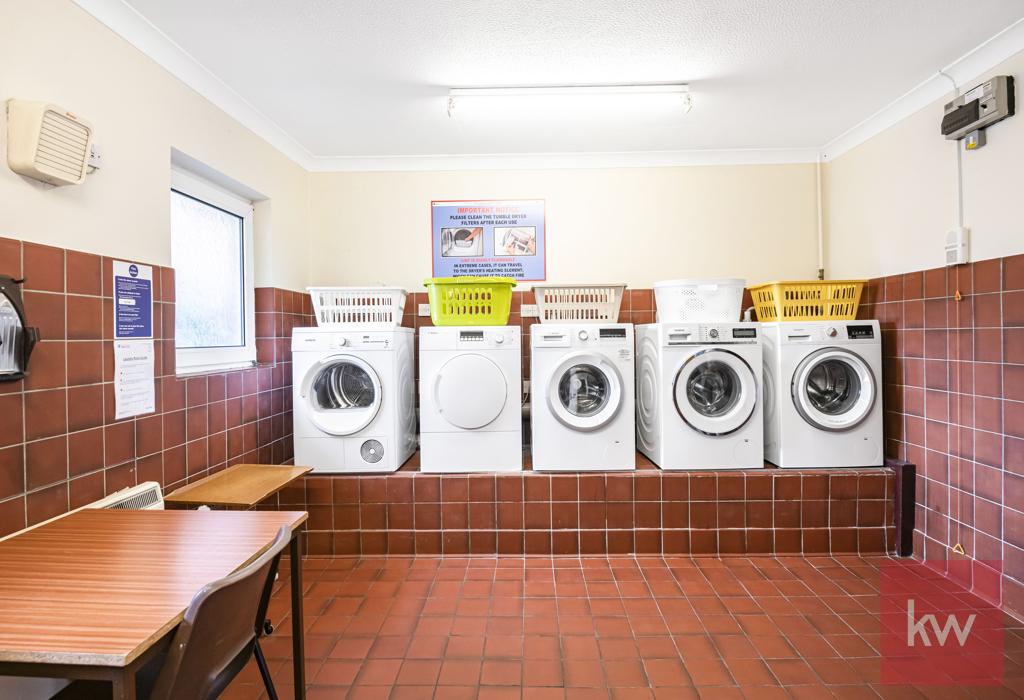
x=298 y=649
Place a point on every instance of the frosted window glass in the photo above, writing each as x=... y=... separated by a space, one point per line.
x=207 y=254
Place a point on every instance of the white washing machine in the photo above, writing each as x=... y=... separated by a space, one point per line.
x=699 y=395
x=582 y=399
x=823 y=402
x=471 y=399
x=354 y=399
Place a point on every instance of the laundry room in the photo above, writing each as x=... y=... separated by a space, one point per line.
x=524 y=349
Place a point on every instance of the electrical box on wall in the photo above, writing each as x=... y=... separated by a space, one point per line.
x=978 y=108
x=46 y=142
x=957 y=246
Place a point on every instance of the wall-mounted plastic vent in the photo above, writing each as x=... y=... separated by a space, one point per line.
x=46 y=142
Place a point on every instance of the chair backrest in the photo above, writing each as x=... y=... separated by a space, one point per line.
x=216 y=638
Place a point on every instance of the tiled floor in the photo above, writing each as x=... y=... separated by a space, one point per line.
x=610 y=628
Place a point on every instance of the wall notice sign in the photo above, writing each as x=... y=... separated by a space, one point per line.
x=133 y=300
x=492 y=238
x=134 y=383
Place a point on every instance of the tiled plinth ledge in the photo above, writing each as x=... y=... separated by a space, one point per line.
x=648 y=511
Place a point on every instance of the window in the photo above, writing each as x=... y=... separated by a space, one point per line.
x=211 y=251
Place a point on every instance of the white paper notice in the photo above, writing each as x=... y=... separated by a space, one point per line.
x=134 y=387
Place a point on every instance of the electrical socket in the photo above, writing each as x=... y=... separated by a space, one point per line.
x=423 y=310
x=530 y=311
x=95 y=156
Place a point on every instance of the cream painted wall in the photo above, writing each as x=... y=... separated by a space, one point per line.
x=52 y=50
x=624 y=225
x=889 y=202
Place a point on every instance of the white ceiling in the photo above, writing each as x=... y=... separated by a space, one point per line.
x=369 y=78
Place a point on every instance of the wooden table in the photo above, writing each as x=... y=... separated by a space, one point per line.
x=240 y=486
x=97 y=594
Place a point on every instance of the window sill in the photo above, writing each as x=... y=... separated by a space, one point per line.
x=200 y=370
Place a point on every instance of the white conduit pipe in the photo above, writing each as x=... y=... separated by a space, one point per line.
x=957 y=548
x=821 y=227
x=959 y=162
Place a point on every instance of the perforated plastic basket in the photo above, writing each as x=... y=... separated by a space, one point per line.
x=372 y=308
x=812 y=300
x=469 y=301
x=596 y=303
x=699 y=300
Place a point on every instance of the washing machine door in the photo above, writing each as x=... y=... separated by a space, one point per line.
x=715 y=391
x=585 y=391
x=342 y=394
x=833 y=389
x=470 y=391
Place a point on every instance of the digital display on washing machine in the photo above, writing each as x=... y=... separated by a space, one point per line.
x=860 y=332
x=612 y=332
x=471 y=335
x=744 y=332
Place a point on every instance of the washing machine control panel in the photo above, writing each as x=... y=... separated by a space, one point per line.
x=703 y=334
x=347 y=341
x=591 y=336
x=362 y=341
x=829 y=332
x=486 y=338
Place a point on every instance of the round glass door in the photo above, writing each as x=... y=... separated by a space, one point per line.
x=713 y=389
x=715 y=392
x=343 y=393
x=833 y=389
x=585 y=392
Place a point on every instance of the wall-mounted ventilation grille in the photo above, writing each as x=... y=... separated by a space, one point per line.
x=46 y=142
x=63 y=149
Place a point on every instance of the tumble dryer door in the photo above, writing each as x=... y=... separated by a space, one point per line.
x=585 y=391
x=715 y=391
x=342 y=393
x=470 y=391
x=833 y=389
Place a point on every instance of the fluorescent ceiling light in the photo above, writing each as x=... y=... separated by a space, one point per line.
x=676 y=92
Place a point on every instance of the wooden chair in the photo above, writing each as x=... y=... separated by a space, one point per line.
x=215 y=640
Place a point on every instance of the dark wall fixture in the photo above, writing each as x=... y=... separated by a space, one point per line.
x=16 y=338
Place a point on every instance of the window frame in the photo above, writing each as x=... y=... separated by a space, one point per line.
x=189 y=361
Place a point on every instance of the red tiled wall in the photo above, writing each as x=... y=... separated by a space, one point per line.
x=60 y=446
x=760 y=512
x=954 y=398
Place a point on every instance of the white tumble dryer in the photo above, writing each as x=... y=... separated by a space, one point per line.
x=699 y=395
x=471 y=399
x=581 y=403
x=354 y=399
x=823 y=403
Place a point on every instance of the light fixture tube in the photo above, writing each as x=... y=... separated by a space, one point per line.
x=681 y=89
x=618 y=89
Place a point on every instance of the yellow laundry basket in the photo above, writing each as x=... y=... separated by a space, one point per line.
x=469 y=301
x=807 y=301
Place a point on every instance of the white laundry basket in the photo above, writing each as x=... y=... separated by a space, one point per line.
x=596 y=303
x=699 y=300
x=371 y=308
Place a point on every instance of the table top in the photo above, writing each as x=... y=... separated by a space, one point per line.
x=243 y=485
x=99 y=587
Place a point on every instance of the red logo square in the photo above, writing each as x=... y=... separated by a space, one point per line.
x=936 y=632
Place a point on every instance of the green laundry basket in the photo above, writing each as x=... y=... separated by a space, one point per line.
x=469 y=301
